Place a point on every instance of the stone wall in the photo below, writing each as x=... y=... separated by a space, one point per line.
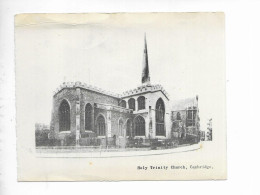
x=115 y=116
x=92 y=97
x=85 y=96
x=70 y=96
x=98 y=112
x=148 y=113
x=194 y=130
x=111 y=116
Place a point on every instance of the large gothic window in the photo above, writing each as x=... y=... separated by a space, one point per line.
x=159 y=115
x=128 y=127
x=120 y=127
x=131 y=103
x=139 y=126
x=141 y=102
x=88 y=117
x=64 y=116
x=101 y=126
x=123 y=103
x=191 y=116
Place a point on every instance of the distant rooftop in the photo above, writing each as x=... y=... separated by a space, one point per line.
x=184 y=104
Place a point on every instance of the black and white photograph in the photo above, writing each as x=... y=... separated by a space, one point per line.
x=129 y=97
x=128 y=93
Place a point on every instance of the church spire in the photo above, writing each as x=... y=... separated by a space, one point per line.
x=145 y=69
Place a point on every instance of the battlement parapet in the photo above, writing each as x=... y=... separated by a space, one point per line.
x=136 y=91
x=79 y=84
x=145 y=88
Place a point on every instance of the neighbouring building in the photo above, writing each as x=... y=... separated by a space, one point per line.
x=185 y=120
x=209 y=130
x=141 y=113
x=41 y=126
x=202 y=136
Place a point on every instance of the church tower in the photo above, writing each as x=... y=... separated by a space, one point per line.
x=145 y=68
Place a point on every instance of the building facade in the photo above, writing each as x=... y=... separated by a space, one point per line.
x=89 y=112
x=185 y=120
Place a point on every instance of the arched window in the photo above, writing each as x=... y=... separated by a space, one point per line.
x=131 y=103
x=123 y=103
x=64 y=116
x=88 y=117
x=141 y=102
x=139 y=126
x=120 y=127
x=191 y=116
x=101 y=126
x=129 y=128
x=159 y=116
x=178 y=116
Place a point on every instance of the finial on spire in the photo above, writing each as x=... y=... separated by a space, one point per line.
x=145 y=70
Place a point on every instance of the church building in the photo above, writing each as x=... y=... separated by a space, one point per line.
x=89 y=113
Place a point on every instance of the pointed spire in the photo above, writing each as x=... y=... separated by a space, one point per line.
x=145 y=69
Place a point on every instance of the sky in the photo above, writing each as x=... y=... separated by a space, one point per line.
x=185 y=54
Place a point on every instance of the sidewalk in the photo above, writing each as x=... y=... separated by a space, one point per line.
x=94 y=152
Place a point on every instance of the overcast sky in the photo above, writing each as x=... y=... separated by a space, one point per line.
x=185 y=51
